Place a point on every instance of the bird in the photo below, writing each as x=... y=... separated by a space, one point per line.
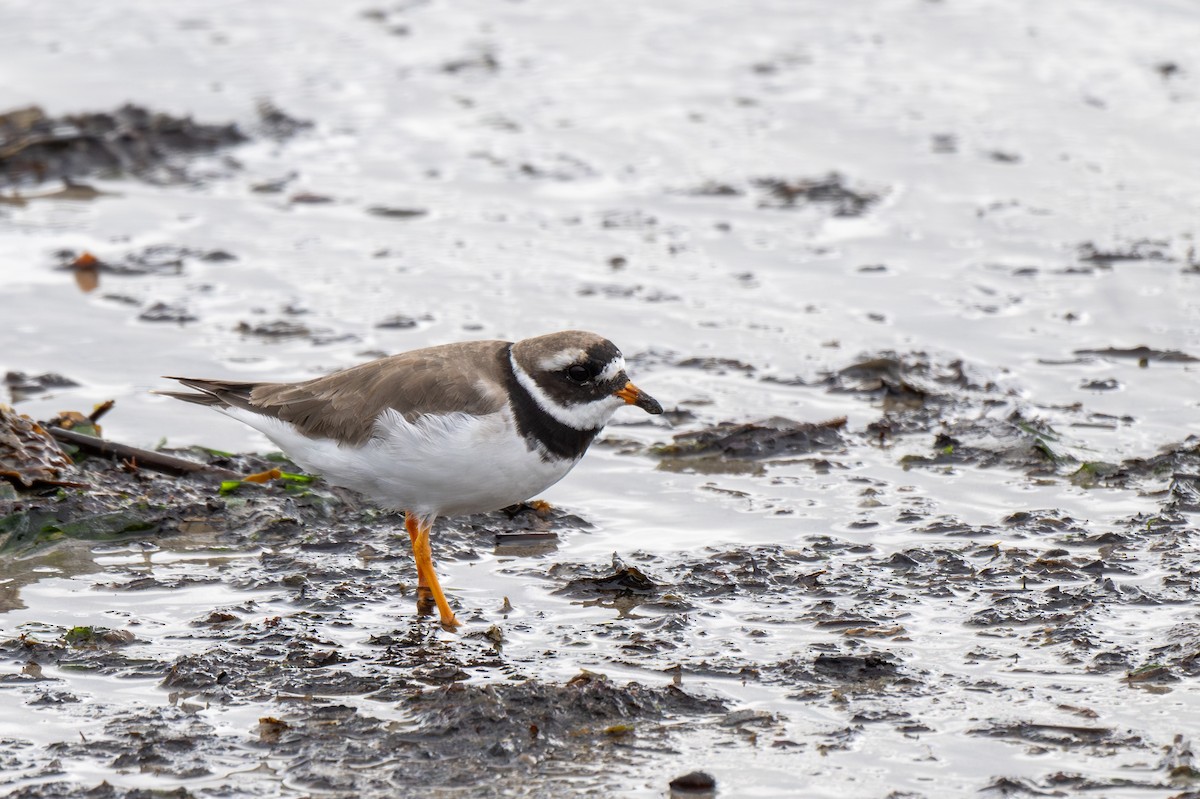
x=453 y=429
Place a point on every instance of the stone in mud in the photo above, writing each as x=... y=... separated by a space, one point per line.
x=695 y=783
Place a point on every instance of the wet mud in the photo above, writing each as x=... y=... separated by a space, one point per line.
x=919 y=518
x=326 y=556
x=1051 y=585
x=131 y=141
x=461 y=711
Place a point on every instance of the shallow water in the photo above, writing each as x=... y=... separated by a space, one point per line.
x=1006 y=144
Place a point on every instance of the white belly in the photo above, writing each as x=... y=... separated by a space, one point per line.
x=439 y=465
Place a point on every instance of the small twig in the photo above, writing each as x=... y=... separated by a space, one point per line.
x=100 y=410
x=146 y=459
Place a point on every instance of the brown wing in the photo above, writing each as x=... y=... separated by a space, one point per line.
x=467 y=376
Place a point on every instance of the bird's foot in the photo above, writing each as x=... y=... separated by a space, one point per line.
x=425 y=601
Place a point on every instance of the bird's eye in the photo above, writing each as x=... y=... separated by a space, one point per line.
x=579 y=373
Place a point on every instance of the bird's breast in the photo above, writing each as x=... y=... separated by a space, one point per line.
x=456 y=463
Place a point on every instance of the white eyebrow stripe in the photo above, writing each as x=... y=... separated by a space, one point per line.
x=614 y=368
x=561 y=359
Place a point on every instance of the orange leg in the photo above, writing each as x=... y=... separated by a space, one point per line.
x=424 y=595
x=427 y=581
x=413 y=526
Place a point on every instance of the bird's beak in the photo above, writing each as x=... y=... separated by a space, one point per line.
x=635 y=396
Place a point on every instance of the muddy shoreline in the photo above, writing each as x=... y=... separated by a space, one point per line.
x=1051 y=584
x=914 y=282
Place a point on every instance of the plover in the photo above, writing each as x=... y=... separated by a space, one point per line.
x=441 y=431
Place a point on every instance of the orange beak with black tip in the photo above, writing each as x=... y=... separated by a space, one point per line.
x=635 y=396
